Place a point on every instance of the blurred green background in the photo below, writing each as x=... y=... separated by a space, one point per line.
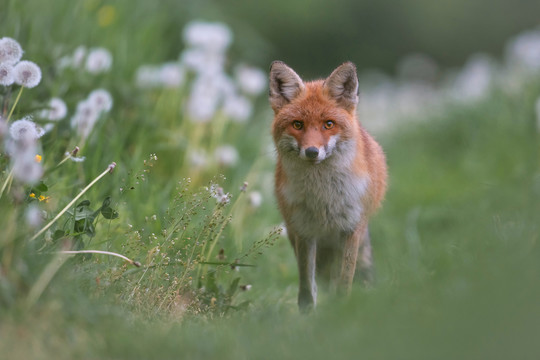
x=455 y=245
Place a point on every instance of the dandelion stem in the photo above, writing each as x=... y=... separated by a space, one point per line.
x=8 y=180
x=44 y=279
x=14 y=104
x=132 y=262
x=109 y=169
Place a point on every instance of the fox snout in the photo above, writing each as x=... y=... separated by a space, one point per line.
x=313 y=153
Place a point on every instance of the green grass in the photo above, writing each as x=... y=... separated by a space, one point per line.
x=455 y=244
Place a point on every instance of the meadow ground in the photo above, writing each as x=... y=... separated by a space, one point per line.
x=455 y=244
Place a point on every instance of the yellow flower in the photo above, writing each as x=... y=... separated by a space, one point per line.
x=106 y=15
x=44 y=198
x=32 y=195
x=38 y=158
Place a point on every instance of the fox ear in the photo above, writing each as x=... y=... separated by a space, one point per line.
x=342 y=85
x=285 y=85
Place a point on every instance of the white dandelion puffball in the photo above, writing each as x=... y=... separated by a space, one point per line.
x=6 y=74
x=251 y=81
x=99 y=60
x=25 y=129
x=148 y=76
x=85 y=118
x=226 y=155
x=78 y=56
x=213 y=37
x=171 y=75
x=255 y=199
x=57 y=110
x=10 y=51
x=238 y=108
x=34 y=216
x=27 y=74
x=101 y=99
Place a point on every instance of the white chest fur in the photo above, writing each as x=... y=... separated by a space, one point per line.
x=323 y=198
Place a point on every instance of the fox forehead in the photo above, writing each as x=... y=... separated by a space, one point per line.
x=312 y=104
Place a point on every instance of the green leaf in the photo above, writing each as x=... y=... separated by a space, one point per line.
x=106 y=202
x=58 y=234
x=41 y=187
x=109 y=213
x=83 y=203
x=84 y=213
x=233 y=287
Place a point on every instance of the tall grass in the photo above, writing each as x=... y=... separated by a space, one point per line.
x=455 y=245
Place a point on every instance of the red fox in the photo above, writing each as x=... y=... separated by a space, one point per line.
x=330 y=177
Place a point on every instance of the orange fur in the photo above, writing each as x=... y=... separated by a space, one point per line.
x=330 y=176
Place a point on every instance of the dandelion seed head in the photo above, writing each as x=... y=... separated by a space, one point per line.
x=78 y=56
x=250 y=80
x=98 y=60
x=85 y=118
x=226 y=155
x=101 y=99
x=6 y=74
x=34 y=216
x=214 y=37
x=147 y=76
x=238 y=108
x=57 y=110
x=255 y=199
x=27 y=74
x=198 y=158
x=25 y=129
x=171 y=75
x=10 y=51
x=23 y=155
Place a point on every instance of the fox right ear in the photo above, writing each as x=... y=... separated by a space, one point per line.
x=285 y=85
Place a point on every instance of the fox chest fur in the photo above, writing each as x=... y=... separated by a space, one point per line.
x=322 y=199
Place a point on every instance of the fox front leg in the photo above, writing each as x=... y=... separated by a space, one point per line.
x=349 y=258
x=306 y=254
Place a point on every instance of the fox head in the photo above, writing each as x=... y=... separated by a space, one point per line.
x=313 y=119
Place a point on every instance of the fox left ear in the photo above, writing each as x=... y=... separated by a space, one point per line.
x=342 y=85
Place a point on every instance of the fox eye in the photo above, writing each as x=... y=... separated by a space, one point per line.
x=329 y=124
x=297 y=125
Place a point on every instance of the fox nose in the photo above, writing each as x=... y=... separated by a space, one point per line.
x=312 y=152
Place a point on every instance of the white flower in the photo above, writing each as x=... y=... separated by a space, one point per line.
x=25 y=129
x=57 y=110
x=23 y=152
x=251 y=81
x=524 y=50
x=6 y=74
x=255 y=199
x=85 y=118
x=10 y=51
x=203 y=62
x=204 y=99
x=213 y=37
x=171 y=75
x=198 y=158
x=78 y=56
x=238 y=108
x=147 y=76
x=99 y=60
x=34 y=216
x=226 y=155
x=475 y=79
x=101 y=99
x=27 y=74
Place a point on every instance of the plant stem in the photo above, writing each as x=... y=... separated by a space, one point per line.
x=132 y=262
x=8 y=180
x=14 y=104
x=109 y=169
